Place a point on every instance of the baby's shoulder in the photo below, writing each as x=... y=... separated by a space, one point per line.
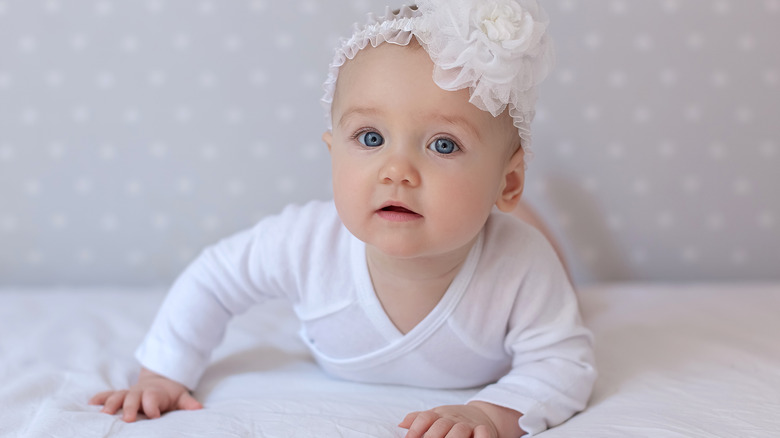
x=505 y=233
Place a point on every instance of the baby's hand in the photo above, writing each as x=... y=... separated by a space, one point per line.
x=153 y=395
x=456 y=421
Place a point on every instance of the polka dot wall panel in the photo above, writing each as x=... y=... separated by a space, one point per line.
x=133 y=134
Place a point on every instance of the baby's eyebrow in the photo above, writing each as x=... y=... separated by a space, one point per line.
x=359 y=111
x=457 y=120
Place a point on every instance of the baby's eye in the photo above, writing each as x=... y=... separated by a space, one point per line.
x=444 y=146
x=371 y=139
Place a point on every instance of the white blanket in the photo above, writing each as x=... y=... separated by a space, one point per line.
x=674 y=361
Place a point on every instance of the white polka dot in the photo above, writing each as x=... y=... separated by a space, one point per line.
x=206 y=8
x=591 y=113
x=105 y=80
x=744 y=115
x=258 y=78
x=567 y=5
x=590 y=184
x=312 y=151
x=644 y=42
x=691 y=185
x=722 y=7
x=717 y=151
x=747 y=43
x=34 y=258
x=742 y=186
x=719 y=79
x=310 y=79
x=52 y=6
x=59 y=221
x=236 y=188
x=770 y=78
x=739 y=256
x=5 y=81
x=207 y=80
x=184 y=186
x=714 y=222
x=665 y=219
x=129 y=44
x=158 y=150
x=617 y=79
x=181 y=41
x=210 y=223
x=615 y=150
x=109 y=222
x=83 y=186
x=233 y=43
x=154 y=6
x=285 y=113
x=258 y=5
x=32 y=187
x=618 y=7
x=133 y=187
x=29 y=116
x=104 y=8
x=615 y=221
x=692 y=113
x=135 y=258
x=284 y=41
x=56 y=151
x=694 y=41
x=689 y=255
x=640 y=186
x=209 y=153
x=131 y=116
x=260 y=150
x=639 y=256
x=27 y=44
x=80 y=114
x=183 y=114
x=308 y=7
x=160 y=221
x=234 y=116
x=7 y=153
x=772 y=6
x=670 y=6
x=592 y=41
x=565 y=77
x=667 y=149
x=107 y=152
x=286 y=184
x=78 y=42
x=768 y=149
x=85 y=256
x=766 y=220
x=8 y=224
x=564 y=149
x=53 y=79
x=156 y=78
x=668 y=77
x=642 y=115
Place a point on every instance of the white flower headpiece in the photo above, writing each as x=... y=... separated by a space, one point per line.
x=499 y=49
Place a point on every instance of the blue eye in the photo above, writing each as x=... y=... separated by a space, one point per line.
x=444 y=146
x=371 y=139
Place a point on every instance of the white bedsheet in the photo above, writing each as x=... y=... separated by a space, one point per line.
x=674 y=361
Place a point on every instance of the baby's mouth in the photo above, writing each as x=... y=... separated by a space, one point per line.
x=398 y=213
x=397 y=209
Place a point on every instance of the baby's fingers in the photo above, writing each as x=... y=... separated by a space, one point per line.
x=131 y=406
x=100 y=398
x=422 y=422
x=113 y=401
x=188 y=402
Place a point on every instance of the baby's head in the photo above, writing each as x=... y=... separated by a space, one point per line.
x=429 y=127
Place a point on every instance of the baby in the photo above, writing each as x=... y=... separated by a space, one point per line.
x=409 y=276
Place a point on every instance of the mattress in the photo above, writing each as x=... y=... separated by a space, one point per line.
x=674 y=361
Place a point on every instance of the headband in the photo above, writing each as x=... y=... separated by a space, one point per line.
x=499 y=49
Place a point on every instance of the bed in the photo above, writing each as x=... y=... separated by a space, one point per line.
x=697 y=360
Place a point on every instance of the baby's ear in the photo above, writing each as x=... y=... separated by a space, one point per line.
x=513 y=183
x=327 y=137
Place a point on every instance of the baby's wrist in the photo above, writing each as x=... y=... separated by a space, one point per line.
x=505 y=420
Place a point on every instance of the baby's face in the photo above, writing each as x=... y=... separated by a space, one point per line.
x=416 y=169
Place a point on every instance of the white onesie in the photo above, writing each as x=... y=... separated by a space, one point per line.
x=509 y=320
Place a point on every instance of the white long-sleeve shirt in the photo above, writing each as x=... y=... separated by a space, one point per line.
x=509 y=319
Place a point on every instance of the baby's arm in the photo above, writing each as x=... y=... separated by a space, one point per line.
x=477 y=419
x=153 y=395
